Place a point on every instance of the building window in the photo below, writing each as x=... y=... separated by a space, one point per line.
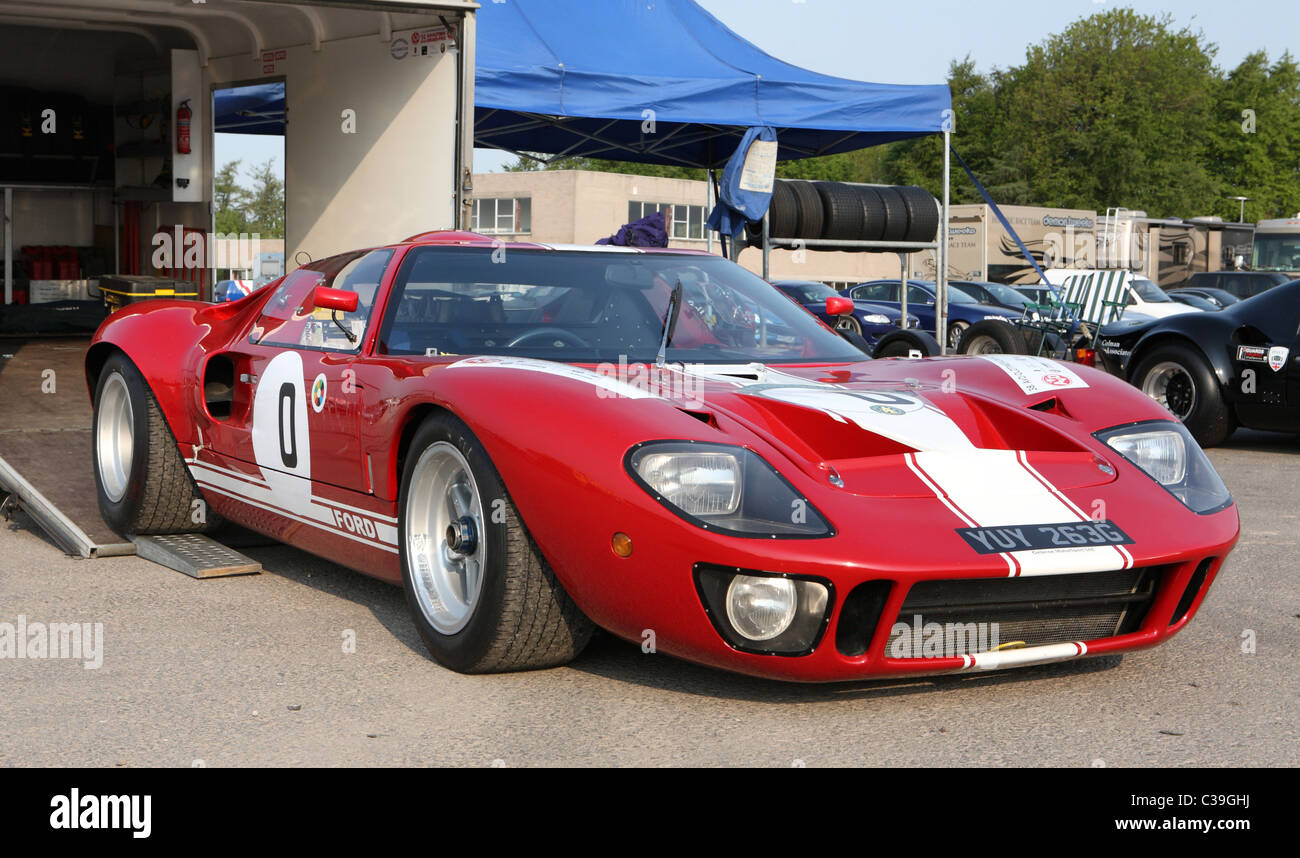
x=508 y=216
x=683 y=221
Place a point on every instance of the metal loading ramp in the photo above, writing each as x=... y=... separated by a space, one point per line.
x=45 y=445
x=46 y=465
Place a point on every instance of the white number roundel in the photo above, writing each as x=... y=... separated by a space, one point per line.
x=281 y=440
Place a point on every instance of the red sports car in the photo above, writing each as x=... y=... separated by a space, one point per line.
x=537 y=441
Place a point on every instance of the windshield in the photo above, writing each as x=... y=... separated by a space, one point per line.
x=1150 y=292
x=809 y=293
x=591 y=307
x=1006 y=295
x=1276 y=252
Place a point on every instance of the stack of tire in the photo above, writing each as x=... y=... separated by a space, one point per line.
x=840 y=211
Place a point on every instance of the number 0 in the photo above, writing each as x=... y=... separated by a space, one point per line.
x=288 y=442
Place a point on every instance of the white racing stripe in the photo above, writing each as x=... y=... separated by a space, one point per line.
x=998 y=488
x=292 y=499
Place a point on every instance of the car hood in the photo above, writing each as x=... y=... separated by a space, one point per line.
x=855 y=425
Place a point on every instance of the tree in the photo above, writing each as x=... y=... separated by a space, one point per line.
x=1113 y=111
x=1255 y=133
x=265 y=205
x=229 y=200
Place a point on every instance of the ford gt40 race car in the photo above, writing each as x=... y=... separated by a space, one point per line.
x=1216 y=371
x=538 y=441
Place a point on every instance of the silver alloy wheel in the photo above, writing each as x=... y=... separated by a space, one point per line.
x=1170 y=384
x=984 y=345
x=848 y=323
x=114 y=437
x=955 y=330
x=445 y=545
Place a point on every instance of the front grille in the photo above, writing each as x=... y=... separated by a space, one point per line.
x=1035 y=610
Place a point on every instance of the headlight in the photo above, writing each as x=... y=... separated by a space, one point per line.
x=724 y=488
x=1166 y=452
x=876 y=319
x=760 y=608
x=999 y=318
x=697 y=483
x=765 y=612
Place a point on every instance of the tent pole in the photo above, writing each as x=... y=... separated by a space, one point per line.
x=902 y=289
x=941 y=277
x=710 y=203
x=767 y=249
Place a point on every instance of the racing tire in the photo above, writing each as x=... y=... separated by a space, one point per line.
x=783 y=217
x=456 y=523
x=809 y=205
x=896 y=226
x=901 y=344
x=873 y=212
x=922 y=213
x=991 y=337
x=842 y=211
x=1180 y=379
x=141 y=481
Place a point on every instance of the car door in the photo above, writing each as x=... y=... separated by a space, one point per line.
x=301 y=399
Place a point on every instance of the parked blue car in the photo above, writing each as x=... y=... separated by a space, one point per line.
x=963 y=309
x=872 y=321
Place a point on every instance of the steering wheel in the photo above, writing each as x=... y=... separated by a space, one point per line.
x=560 y=333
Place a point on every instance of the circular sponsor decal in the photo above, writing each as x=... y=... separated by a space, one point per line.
x=399 y=49
x=1057 y=380
x=318 y=390
x=888 y=409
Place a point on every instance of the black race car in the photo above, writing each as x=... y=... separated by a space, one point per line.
x=1216 y=371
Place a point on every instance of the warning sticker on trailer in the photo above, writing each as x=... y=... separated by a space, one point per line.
x=1035 y=374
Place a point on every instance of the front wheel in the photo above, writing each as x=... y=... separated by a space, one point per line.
x=141 y=480
x=991 y=337
x=482 y=596
x=955 y=331
x=1180 y=379
x=848 y=324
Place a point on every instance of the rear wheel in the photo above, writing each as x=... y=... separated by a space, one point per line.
x=141 y=481
x=991 y=337
x=482 y=596
x=1181 y=380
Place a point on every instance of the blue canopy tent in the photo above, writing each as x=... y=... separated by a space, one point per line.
x=665 y=82
x=256 y=109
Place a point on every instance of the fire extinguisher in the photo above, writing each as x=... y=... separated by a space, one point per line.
x=183 y=116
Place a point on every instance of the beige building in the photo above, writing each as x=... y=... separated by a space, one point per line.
x=580 y=207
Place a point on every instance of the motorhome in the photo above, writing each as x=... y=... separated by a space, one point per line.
x=1277 y=246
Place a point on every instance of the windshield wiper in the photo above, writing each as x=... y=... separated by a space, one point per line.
x=670 y=323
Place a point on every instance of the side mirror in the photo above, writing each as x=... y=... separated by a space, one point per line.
x=838 y=305
x=332 y=299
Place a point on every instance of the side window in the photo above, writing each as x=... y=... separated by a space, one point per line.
x=286 y=322
x=917 y=295
x=876 y=292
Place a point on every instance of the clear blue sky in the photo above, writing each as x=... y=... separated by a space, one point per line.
x=913 y=41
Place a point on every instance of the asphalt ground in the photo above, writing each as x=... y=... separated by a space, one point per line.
x=252 y=671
